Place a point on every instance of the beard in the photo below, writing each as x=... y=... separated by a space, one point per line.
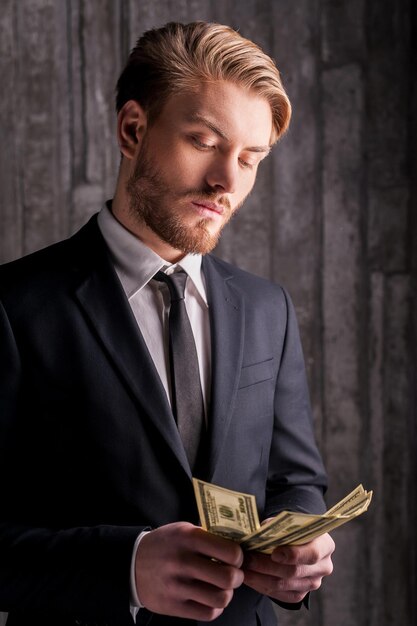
x=164 y=211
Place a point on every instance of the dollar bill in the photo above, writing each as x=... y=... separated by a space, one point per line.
x=224 y=512
x=234 y=515
x=283 y=525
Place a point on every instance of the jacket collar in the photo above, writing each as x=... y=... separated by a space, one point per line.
x=103 y=300
x=227 y=319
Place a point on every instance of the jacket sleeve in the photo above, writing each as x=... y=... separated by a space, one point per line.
x=297 y=478
x=77 y=570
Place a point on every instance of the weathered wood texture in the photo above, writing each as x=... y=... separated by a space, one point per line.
x=333 y=218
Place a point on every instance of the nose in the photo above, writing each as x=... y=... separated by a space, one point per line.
x=222 y=174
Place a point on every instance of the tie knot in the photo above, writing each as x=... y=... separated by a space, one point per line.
x=176 y=283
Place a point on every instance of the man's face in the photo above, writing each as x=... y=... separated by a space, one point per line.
x=196 y=165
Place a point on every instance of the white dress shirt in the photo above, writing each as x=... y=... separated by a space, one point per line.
x=135 y=265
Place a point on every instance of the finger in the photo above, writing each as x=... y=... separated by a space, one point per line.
x=196 y=611
x=202 y=593
x=218 y=548
x=189 y=609
x=263 y=564
x=212 y=572
x=275 y=587
x=308 y=553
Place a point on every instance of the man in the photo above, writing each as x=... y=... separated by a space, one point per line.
x=98 y=521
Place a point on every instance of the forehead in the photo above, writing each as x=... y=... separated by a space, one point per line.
x=241 y=115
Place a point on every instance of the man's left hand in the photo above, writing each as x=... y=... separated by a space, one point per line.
x=290 y=572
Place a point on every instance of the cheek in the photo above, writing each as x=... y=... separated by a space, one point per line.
x=246 y=186
x=182 y=169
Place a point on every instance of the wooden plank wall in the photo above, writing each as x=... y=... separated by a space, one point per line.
x=333 y=218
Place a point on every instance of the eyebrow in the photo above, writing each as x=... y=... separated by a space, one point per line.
x=196 y=117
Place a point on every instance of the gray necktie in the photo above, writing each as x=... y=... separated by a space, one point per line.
x=187 y=399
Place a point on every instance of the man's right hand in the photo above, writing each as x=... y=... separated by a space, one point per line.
x=184 y=571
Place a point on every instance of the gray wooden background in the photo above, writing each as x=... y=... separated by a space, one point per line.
x=333 y=218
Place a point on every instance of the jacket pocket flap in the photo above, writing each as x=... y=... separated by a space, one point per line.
x=256 y=373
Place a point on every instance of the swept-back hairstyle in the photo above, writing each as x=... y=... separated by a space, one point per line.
x=179 y=57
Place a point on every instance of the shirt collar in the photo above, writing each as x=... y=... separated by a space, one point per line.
x=135 y=263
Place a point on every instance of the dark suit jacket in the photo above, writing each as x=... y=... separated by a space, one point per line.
x=89 y=451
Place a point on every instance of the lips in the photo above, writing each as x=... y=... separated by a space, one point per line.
x=211 y=206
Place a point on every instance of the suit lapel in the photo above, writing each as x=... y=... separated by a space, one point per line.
x=227 y=312
x=103 y=300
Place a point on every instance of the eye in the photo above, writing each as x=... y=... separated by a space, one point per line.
x=200 y=145
x=246 y=164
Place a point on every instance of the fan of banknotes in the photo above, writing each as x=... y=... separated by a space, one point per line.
x=234 y=515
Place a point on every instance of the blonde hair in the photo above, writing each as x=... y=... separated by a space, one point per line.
x=178 y=57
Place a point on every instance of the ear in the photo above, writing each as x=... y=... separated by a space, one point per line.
x=131 y=127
